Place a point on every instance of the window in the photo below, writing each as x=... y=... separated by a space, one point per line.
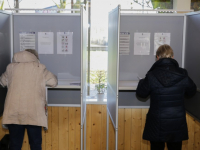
x=41 y=4
x=99 y=38
x=195 y=5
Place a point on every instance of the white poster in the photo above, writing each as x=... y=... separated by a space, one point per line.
x=142 y=43
x=27 y=40
x=160 y=39
x=45 y=42
x=124 y=42
x=64 y=42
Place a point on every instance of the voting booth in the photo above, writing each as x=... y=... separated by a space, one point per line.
x=61 y=42
x=132 y=42
x=5 y=51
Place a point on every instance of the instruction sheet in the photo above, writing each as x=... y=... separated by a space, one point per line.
x=45 y=42
x=160 y=39
x=27 y=40
x=64 y=42
x=124 y=42
x=142 y=43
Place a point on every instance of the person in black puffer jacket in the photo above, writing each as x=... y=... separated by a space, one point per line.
x=167 y=84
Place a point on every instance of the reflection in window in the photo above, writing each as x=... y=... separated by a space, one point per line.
x=195 y=5
x=162 y=4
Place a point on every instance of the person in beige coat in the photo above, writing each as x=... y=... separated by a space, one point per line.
x=25 y=105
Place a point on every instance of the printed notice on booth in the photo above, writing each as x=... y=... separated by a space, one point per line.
x=27 y=40
x=124 y=41
x=142 y=43
x=45 y=42
x=160 y=39
x=64 y=42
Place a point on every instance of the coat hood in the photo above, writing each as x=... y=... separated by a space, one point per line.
x=167 y=72
x=24 y=57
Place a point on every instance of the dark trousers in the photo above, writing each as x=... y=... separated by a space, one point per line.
x=170 y=145
x=17 y=136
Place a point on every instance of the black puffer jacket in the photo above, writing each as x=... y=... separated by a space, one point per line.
x=166 y=84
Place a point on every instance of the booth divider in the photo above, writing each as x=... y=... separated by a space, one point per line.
x=113 y=69
x=5 y=40
x=84 y=59
x=5 y=51
x=192 y=61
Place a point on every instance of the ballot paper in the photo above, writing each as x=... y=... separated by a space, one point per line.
x=64 y=42
x=124 y=42
x=27 y=40
x=45 y=43
x=160 y=39
x=141 y=43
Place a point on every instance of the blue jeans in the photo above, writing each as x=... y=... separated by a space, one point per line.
x=17 y=136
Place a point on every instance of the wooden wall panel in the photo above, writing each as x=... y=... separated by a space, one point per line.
x=191 y=127
x=54 y=129
x=144 y=143
x=96 y=127
x=72 y=114
x=89 y=127
x=121 y=129
x=185 y=143
x=166 y=146
x=43 y=139
x=25 y=145
x=103 y=127
x=136 y=128
x=48 y=132
x=197 y=136
x=78 y=128
x=111 y=136
x=127 y=130
x=64 y=130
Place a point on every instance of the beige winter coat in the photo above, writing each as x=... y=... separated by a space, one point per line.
x=26 y=80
